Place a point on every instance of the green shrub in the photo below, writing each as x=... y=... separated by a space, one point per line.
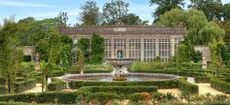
x=118 y=89
x=24 y=85
x=56 y=85
x=159 y=84
x=135 y=97
x=187 y=87
x=220 y=85
x=202 y=79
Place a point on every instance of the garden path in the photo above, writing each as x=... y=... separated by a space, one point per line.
x=36 y=89
x=176 y=92
x=205 y=88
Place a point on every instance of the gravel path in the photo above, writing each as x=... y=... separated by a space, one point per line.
x=176 y=92
x=36 y=89
x=205 y=88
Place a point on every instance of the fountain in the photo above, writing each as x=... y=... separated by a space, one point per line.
x=120 y=73
x=119 y=66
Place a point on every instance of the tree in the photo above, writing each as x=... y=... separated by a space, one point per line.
x=216 y=55
x=114 y=11
x=80 y=60
x=10 y=55
x=211 y=33
x=54 y=44
x=226 y=12
x=90 y=14
x=174 y=17
x=63 y=16
x=211 y=8
x=132 y=19
x=165 y=6
x=97 y=45
x=84 y=45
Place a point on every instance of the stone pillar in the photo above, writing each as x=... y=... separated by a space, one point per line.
x=172 y=45
x=157 y=47
x=127 y=48
x=142 y=49
x=112 y=48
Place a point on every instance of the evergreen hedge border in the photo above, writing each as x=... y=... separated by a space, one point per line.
x=24 y=85
x=220 y=84
x=118 y=89
x=160 y=84
x=56 y=85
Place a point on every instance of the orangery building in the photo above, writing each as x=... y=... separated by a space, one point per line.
x=143 y=43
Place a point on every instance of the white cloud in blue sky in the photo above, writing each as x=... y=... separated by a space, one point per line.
x=41 y=9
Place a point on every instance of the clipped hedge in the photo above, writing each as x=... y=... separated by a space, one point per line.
x=45 y=97
x=22 y=97
x=118 y=89
x=220 y=85
x=91 y=69
x=3 y=89
x=56 y=73
x=202 y=79
x=56 y=85
x=61 y=97
x=2 y=81
x=24 y=85
x=166 y=71
x=160 y=84
x=187 y=87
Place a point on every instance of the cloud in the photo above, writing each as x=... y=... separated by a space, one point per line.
x=22 y=4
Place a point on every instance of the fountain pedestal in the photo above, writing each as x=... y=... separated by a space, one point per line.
x=119 y=68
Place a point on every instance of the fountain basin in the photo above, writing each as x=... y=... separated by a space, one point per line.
x=130 y=77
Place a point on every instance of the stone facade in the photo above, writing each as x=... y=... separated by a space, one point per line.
x=139 y=42
x=28 y=51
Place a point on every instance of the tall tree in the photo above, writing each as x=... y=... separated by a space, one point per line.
x=114 y=11
x=90 y=13
x=226 y=12
x=211 y=8
x=10 y=56
x=97 y=45
x=84 y=45
x=80 y=60
x=174 y=17
x=165 y=5
x=132 y=19
x=63 y=16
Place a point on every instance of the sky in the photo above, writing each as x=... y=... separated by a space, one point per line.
x=41 y=9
